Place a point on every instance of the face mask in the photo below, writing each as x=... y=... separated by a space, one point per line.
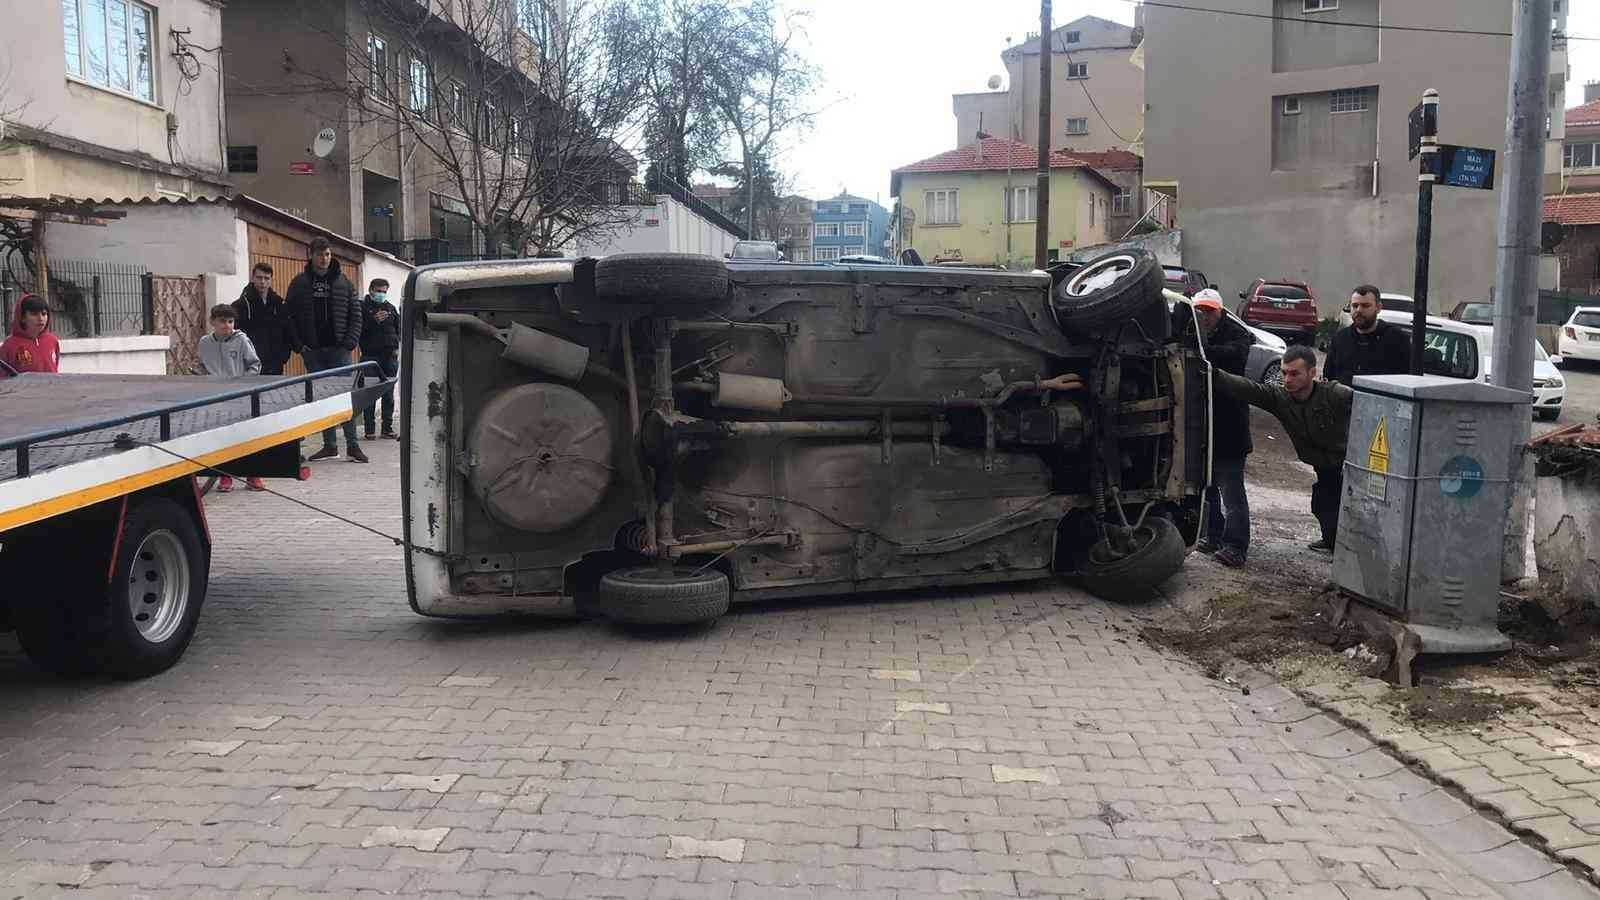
x=379 y=296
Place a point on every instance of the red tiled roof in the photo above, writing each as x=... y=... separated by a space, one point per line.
x=1573 y=209
x=1587 y=114
x=996 y=153
x=1109 y=160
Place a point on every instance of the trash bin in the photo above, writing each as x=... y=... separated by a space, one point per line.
x=1425 y=505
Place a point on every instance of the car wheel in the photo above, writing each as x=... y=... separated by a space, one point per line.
x=649 y=595
x=1272 y=376
x=661 y=283
x=1132 y=573
x=1548 y=415
x=1108 y=290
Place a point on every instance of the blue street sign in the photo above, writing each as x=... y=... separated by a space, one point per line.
x=381 y=211
x=1468 y=167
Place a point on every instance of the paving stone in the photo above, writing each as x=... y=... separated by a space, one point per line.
x=683 y=847
x=1515 y=805
x=1007 y=775
x=419 y=838
x=1559 y=833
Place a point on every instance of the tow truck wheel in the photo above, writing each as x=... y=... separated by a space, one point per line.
x=141 y=620
x=1131 y=573
x=647 y=595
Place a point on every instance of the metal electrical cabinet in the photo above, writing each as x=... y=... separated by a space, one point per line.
x=1423 y=513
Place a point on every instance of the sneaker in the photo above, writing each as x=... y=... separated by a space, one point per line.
x=327 y=452
x=370 y=436
x=1321 y=547
x=224 y=485
x=356 y=456
x=1229 y=557
x=391 y=436
x=1206 y=546
x=254 y=484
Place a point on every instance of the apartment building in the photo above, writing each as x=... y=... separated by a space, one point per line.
x=1282 y=135
x=1097 y=91
x=112 y=99
x=794 y=228
x=847 y=225
x=1580 y=147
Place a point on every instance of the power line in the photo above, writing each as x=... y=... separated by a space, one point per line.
x=1373 y=26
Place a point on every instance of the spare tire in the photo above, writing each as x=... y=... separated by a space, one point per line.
x=1156 y=554
x=1107 y=291
x=661 y=283
x=650 y=595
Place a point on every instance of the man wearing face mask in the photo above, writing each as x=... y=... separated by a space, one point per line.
x=380 y=343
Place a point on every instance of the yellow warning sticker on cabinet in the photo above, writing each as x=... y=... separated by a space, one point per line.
x=1378 y=449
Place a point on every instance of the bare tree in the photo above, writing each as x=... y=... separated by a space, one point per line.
x=520 y=108
x=763 y=86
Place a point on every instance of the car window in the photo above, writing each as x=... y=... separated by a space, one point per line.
x=1587 y=319
x=1397 y=305
x=1283 y=292
x=1448 y=353
x=1539 y=352
x=1478 y=312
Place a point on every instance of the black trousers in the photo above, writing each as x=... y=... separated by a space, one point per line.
x=1326 y=495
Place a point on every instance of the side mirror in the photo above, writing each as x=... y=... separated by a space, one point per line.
x=730 y=255
x=1242 y=296
x=1212 y=286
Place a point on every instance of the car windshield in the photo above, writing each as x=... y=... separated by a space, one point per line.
x=1448 y=353
x=1283 y=292
x=1587 y=320
x=1539 y=352
x=1174 y=275
x=1398 y=304
x=1477 y=312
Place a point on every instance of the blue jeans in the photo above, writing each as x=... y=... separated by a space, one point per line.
x=320 y=359
x=1227 y=508
x=390 y=364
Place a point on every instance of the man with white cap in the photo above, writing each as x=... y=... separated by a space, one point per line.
x=1227 y=345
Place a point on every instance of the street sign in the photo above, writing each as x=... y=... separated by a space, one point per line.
x=381 y=211
x=302 y=168
x=1468 y=167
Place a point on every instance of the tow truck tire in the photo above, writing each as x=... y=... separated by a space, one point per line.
x=1108 y=290
x=1157 y=555
x=663 y=283
x=647 y=595
x=140 y=621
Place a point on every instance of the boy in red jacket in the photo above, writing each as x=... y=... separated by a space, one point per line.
x=31 y=347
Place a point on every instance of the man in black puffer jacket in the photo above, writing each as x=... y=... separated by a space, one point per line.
x=264 y=318
x=327 y=315
x=1227 y=345
x=380 y=343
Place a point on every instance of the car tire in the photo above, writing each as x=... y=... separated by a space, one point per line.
x=140 y=621
x=662 y=283
x=648 y=595
x=1157 y=555
x=1108 y=290
x=1547 y=415
x=1272 y=375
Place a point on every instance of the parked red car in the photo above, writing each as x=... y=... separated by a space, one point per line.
x=1283 y=307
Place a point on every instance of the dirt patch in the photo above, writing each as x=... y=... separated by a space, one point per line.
x=1445 y=705
x=1282 y=631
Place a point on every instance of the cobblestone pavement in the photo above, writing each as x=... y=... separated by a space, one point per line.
x=320 y=738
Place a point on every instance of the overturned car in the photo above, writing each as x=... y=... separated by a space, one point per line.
x=649 y=436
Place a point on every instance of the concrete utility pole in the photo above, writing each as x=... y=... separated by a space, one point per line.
x=1517 y=267
x=1041 y=218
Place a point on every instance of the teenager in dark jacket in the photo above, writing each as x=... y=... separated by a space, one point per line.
x=264 y=318
x=327 y=317
x=1368 y=345
x=380 y=343
x=1227 y=345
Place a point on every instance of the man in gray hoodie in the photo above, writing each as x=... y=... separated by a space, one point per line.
x=224 y=351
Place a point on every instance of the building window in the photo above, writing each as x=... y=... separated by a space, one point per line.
x=1091 y=210
x=855 y=229
x=458 y=105
x=1077 y=126
x=827 y=253
x=1021 y=204
x=1074 y=37
x=942 y=207
x=111 y=44
x=421 y=88
x=519 y=150
x=827 y=229
x=801 y=254
x=377 y=66
x=1579 y=156
x=1316 y=6
x=858 y=208
x=242 y=158
x=1348 y=100
x=1077 y=70
x=1122 y=202
x=1291 y=106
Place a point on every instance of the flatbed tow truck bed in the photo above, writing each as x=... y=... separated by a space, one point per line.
x=104 y=547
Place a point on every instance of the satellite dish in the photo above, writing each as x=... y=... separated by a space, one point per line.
x=323 y=145
x=994 y=82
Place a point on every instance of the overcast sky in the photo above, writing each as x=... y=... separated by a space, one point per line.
x=891 y=65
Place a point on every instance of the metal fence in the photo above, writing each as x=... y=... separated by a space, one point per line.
x=88 y=298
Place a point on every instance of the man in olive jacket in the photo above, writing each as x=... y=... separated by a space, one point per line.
x=1317 y=417
x=327 y=315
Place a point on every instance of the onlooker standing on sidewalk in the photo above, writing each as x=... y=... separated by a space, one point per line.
x=227 y=353
x=1317 y=417
x=327 y=317
x=1227 y=346
x=264 y=317
x=1368 y=345
x=380 y=343
x=31 y=347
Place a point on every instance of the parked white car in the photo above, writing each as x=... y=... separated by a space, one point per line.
x=1458 y=350
x=1580 y=337
x=1392 y=303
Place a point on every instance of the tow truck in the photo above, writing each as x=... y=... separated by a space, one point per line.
x=104 y=547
